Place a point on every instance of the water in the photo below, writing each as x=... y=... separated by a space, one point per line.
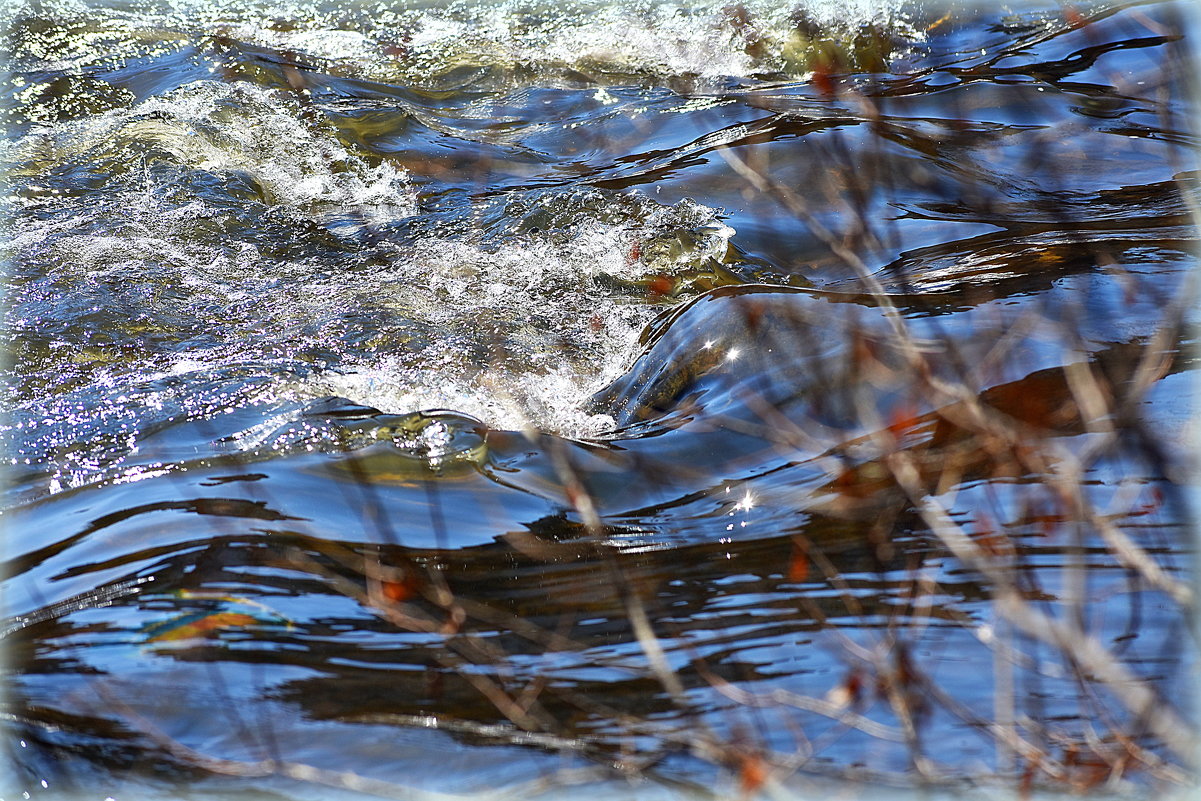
x=608 y=398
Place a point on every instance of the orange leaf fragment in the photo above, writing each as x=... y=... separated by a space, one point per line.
x=798 y=566
x=752 y=773
x=995 y=542
x=823 y=77
x=903 y=419
x=660 y=286
x=397 y=591
x=190 y=626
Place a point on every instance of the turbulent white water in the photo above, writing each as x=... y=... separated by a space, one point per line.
x=421 y=41
x=526 y=332
x=518 y=333
x=846 y=316
x=513 y=308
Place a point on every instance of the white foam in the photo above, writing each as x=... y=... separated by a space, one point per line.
x=240 y=129
x=704 y=38
x=708 y=39
x=526 y=333
x=513 y=334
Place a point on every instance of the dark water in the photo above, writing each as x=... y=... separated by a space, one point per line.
x=651 y=400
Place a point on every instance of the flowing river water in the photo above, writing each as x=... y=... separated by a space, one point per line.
x=439 y=400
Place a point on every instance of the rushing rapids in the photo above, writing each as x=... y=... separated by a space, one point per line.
x=425 y=399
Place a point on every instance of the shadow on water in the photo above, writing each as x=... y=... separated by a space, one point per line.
x=808 y=412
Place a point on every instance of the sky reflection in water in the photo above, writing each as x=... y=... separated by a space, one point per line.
x=720 y=398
